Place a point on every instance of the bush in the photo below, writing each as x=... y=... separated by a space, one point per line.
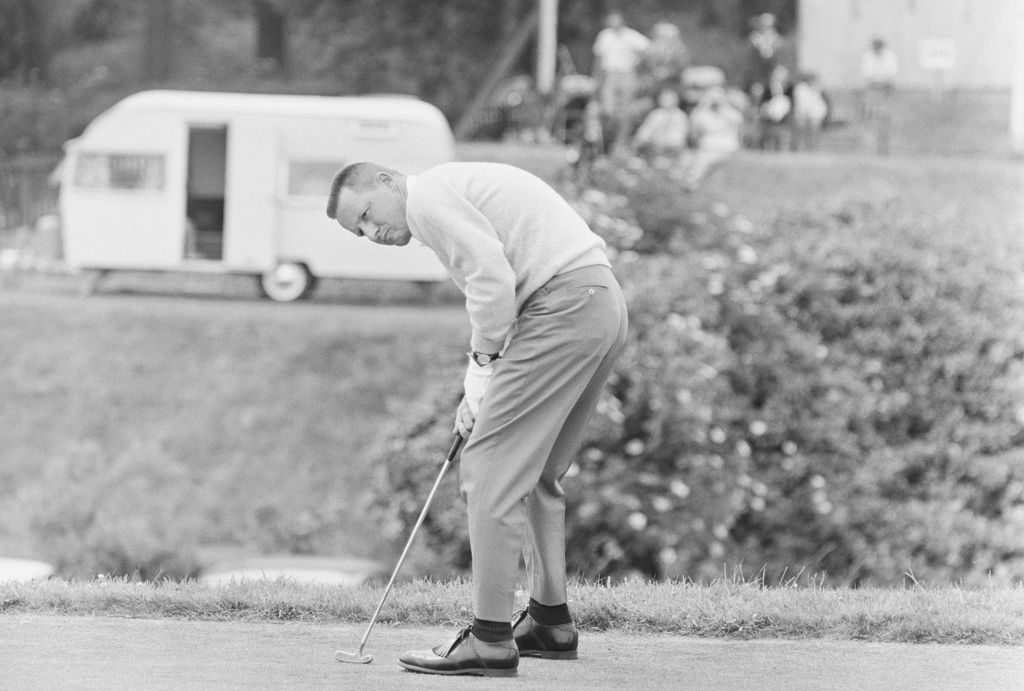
x=32 y=119
x=95 y=515
x=836 y=391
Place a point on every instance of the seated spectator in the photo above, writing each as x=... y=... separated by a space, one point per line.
x=716 y=126
x=810 y=109
x=662 y=135
x=697 y=80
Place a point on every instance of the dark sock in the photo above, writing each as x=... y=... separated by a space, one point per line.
x=492 y=631
x=549 y=615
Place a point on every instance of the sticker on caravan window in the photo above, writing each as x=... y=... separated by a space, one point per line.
x=376 y=129
x=311 y=178
x=120 y=171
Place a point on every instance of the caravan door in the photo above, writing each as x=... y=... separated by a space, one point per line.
x=250 y=212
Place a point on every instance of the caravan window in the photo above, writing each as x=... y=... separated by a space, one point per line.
x=120 y=171
x=311 y=178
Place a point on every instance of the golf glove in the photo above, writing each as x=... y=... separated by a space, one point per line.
x=475 y=384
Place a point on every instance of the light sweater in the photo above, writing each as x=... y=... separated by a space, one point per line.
x=502 y=233
x=620 y=50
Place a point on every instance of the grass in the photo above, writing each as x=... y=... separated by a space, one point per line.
x=729 y=608
x=247 y=405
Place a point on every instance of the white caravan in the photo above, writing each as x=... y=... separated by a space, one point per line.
x=238 y=183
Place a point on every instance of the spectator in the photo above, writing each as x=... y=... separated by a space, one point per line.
x=715 y=125
x=878 y=67
x=618 y=50
x=665 y=59
x=662 y=136
x=697 y=80
x=766 y=51
x=590 y=143
x=810 y=110
x=775 y=111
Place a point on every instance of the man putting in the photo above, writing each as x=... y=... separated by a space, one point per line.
x=548 y=322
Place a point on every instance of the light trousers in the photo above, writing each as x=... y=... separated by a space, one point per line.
x=528 y=429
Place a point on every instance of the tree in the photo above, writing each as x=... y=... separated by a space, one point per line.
x=271 y=35
x=158 y=49
x=23 y=47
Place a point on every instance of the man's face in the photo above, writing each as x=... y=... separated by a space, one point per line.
x=376 y=212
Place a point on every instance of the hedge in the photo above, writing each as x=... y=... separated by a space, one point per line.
x=831 y=391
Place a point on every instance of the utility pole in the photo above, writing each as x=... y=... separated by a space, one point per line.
x=547 y=46
x=547 y=58
x=1017 y=88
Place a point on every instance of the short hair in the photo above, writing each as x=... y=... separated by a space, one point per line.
x=359 y=174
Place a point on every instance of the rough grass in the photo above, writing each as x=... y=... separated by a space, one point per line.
x=729 y=608
x=256 y=404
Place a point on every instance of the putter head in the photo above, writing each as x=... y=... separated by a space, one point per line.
x=355 y=658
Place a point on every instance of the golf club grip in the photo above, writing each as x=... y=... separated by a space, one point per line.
x=456 y=443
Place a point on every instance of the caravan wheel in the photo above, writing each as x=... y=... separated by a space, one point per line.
x=286 y=282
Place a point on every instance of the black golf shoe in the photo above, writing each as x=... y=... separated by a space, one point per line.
x=549 y=642
x=468 y=655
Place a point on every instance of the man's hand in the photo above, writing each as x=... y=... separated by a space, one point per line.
x=464 y=419
x=474 y=384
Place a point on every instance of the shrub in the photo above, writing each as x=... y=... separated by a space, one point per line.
x=126 y=516
x=833 y=390
x=32 y=119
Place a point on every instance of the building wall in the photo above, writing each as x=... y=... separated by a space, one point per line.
x=834 y=34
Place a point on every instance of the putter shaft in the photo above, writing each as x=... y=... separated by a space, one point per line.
x=423 y=514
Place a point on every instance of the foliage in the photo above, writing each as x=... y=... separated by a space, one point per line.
x=93 y=514
x=267 y=412
x=32 y=119
x=837 y=390
x=97 y=51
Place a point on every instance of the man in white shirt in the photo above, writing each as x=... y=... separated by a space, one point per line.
x=618 y=51
x=878 y=67
x=548 y=322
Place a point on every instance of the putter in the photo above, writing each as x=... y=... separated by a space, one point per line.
x=359 y=657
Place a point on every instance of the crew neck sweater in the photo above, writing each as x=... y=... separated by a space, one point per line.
x=501 y=233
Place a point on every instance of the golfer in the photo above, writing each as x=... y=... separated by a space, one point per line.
x=548 y=321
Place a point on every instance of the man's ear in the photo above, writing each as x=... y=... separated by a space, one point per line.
x=384 y=178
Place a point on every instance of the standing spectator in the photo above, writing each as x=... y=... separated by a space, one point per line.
x=665 y=59
x=618 y=50
x=810 y=109
x=775 y=111
x=589 y=146
x=766 y=51
x=878 y=68
x=715 y=125
x=662 y=135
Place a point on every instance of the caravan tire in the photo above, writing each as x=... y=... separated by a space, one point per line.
x=287 y=282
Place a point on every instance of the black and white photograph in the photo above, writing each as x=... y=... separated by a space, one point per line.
x=589 y=344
